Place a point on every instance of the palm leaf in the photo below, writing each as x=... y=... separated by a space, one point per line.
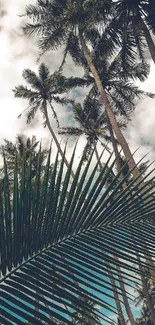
x=55 y=245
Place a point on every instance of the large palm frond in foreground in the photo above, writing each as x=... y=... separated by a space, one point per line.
x=55 y=245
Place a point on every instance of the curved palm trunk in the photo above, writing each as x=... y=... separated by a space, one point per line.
x=114 y=144
x=116 y=297
x=120 y=137
x=56 y=140
x=125 y=299
x=100 y=164
x=97 y=155
x=148 y=38
x=150 y=263
x=146 y=293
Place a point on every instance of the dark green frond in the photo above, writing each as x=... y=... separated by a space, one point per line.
x=43 y=72
x=70 y=131
x=31 y=78
x=25 y=93
x=54 y=254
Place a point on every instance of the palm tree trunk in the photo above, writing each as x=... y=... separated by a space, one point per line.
x=100 y=164
x=120 y=137
x=125 y=299
x=116 y=297
x=114 y=144
x=97 y=155
x=146 y=293
x=148 y=38
x=56 y=140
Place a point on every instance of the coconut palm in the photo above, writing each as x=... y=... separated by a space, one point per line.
x=44 y=90
x=145 y=317
x=50 y=239
x=68 y=23
x=91 y=122
x=22 y=143
x=123 y=95
x=136 y=24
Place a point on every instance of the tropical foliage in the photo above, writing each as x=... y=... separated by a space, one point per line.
x=22 y=144
x=50 y=249
x=75 y=242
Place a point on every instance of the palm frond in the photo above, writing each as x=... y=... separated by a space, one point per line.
x=52 y=245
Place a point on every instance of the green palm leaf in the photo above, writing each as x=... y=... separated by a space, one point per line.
x=56 y=239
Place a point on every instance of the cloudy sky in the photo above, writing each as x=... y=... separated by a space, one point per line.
x=18 y=52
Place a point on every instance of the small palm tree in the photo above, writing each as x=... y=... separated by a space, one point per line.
x=45 y=89
x=23 y=146
x=91 y=122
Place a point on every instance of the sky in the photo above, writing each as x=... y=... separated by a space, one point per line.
x=18 y=52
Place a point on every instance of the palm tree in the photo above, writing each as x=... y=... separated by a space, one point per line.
x=43 y=224
x=145 y=317
x=91 y=122
x=22 y=144
x=136 y=23
x=45 y=89
x=69 y=24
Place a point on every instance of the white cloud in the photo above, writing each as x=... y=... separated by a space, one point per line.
x=18 y=52
x=141 y=131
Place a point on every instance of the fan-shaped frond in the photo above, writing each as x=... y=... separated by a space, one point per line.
x=53 y=243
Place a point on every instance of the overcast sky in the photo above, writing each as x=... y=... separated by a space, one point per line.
x=18 y=52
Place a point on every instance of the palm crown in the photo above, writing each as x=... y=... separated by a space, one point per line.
x=92 y=122
x=135 y=21
x=45 y=88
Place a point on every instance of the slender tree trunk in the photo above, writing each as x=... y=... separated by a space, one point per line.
x=56 y=140
x=149 y=261
x=100 y=165
x=116 y=297
x=148 y=38
x=146 y=293
x=97 y=155
x=119 y=135
x=114 y=144
x=125 y=299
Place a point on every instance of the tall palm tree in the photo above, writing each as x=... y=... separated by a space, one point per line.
x=44 y=90
x=69 y=23
x=42 y=225
x=136 y=23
